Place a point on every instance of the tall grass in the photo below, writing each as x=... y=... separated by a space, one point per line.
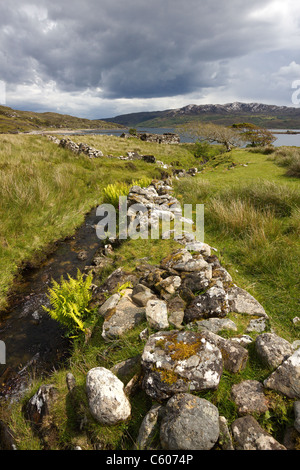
x=288 y=157
x=256 y=226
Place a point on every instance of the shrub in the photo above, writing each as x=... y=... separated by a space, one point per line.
x=69 y=301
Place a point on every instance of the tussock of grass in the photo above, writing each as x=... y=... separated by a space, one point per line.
x=288 y=157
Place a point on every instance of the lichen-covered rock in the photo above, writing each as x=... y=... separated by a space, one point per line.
x=234 y=355
x=216 y=324
x=108 y=403
x=141 y=294
x=258 y=324
x=249 y=397
x=176 y=306
x=241 y=301
x=201 y=247
x=169 y=286
x=179 y=257
x=157 y=314
x=180 y=361
x=214 y=303
x=272 y=349
x=190 y=423
x=286 y=378
x=109 y=304
x=249 y=435
x=197 y=281
x=125 y=316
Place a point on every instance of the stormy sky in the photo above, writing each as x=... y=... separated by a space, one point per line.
x=101 y=58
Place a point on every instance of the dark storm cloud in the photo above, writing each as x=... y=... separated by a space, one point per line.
x=129 y=49
x=137 y=48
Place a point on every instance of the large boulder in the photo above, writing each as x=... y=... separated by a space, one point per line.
x=190 y=423
x=108 y=403
x=180 y=361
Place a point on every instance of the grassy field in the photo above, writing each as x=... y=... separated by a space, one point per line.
x=252 y=218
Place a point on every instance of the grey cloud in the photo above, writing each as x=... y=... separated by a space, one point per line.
x=133 y=49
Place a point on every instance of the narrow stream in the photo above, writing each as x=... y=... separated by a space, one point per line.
x=33 y=341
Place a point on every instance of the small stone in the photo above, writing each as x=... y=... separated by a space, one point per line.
x=214 y=303
x=82 y=255
x=170 y=284
x=144 y=335
x=225 y=439
x=71 y=381
x=148 y=427
x=202 y=248
x=297 y=415
x=217 y=324
x=296 y=322
x=157 y=314
x=241 y=301
x=272 y=349
x=259 y=325
x=125 y=316
x=248 y=435
x=141 y=294
x=249 y=397
x=109 y=304
x=286 y=378
x=39 y=405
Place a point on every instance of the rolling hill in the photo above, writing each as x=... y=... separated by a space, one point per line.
x=12 y=121
x=267 y=116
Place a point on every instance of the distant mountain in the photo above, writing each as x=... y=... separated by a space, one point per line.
x=12 y=121
x=268 y=116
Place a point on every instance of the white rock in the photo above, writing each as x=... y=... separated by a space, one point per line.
x=107 y=401
x=157 y=314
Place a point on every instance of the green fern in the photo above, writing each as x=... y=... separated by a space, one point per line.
x=112 y=192
x=69 y=302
